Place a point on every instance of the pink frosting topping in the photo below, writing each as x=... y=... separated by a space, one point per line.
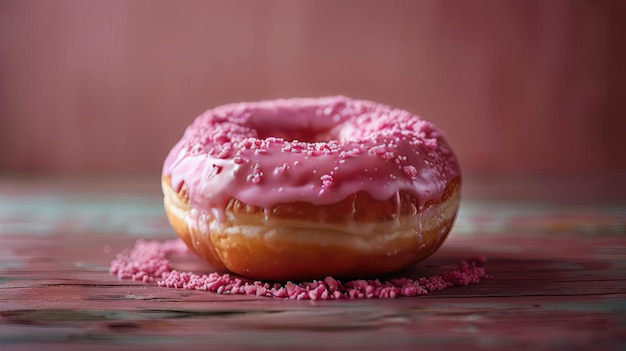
x=317 y=150
x=148 y=262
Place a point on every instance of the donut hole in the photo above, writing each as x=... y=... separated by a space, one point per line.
x=297 y=125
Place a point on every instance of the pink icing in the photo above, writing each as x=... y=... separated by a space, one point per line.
x=148 y=262
x=250 y=151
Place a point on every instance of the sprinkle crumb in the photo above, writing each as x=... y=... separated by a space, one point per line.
x=148 y=262
x=411 y=171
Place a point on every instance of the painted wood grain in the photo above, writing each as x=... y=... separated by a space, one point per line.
x=551 y=286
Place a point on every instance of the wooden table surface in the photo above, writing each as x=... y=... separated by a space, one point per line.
x=556 y=254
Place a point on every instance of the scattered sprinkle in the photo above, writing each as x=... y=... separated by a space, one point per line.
x=148 y=262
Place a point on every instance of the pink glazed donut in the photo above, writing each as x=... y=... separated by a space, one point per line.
x=298 y=189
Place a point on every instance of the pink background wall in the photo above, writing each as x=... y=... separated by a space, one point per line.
x=108 y=86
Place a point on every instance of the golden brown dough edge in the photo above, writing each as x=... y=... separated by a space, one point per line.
x=356 y=237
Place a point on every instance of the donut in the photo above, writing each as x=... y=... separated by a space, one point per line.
x=304 y=188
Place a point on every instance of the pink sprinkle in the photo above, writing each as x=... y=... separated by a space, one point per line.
x=431 y=143
x=281 y=169
x=410 y=171
x=257 y=174
x=147 y=262
x=327 y=181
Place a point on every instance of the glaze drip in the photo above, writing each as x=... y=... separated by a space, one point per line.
x=317 y=150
